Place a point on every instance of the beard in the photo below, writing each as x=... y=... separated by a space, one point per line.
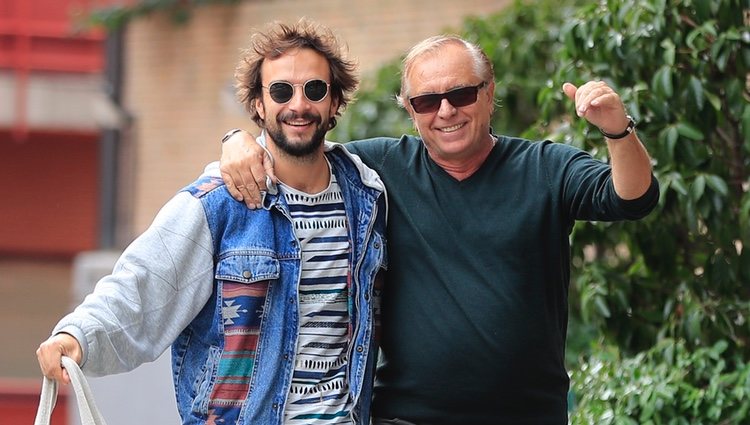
x=303 y=148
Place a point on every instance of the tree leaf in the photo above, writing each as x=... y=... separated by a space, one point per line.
x=678 y=184
x=601 y=306
x=696 y=91
x=671 y=142
x=717 y=184
x=662 y=82
x=697 y=188
x=689 y=130
x=669 y=51
x=713 y=100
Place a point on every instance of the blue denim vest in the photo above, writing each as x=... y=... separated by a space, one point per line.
x=234 y=361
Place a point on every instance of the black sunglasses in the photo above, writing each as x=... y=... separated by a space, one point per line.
x=427 y=103
x=282 y=91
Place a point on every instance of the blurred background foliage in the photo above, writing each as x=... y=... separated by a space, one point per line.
x=659 y=308
x=115 y=16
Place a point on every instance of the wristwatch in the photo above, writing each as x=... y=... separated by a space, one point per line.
x=629 y=129
x=230 y=133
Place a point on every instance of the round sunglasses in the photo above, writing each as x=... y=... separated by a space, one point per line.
x=281 y=92
x=464 y=96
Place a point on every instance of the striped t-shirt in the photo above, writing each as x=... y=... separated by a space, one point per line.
x=319 y=390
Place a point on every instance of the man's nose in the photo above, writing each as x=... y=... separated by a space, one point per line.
x=298 y=100
x=446 y=109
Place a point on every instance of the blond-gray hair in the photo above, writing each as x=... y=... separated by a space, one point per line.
x=482 y=64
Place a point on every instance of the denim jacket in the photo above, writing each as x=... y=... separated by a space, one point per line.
x=219 y=282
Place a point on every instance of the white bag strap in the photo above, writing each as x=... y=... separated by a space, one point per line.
x=86 y=407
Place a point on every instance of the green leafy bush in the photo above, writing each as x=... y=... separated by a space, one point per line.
x=667 y=384
x=115 y=17
x=375 y=112
x=682 y=68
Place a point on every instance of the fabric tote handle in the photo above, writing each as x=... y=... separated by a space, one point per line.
x=86 y=408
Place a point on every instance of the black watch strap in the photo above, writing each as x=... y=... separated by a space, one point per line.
x=629 y=129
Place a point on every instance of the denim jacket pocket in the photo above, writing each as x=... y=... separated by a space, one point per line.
x=243 y=281
x=247 y=267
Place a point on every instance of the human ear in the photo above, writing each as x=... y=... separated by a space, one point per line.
x=261 y=108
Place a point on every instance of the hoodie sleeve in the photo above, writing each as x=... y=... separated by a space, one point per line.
x=158 y=285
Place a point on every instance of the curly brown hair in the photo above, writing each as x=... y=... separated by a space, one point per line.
x=278 y=38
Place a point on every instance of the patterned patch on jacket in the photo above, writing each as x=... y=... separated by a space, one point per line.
x=242 y=312
x=204 y=185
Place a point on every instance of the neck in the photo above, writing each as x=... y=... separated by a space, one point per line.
x=463 y=168
x=309 y=174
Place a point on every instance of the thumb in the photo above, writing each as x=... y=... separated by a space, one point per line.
x=268 y=166
x=70 y=347
x=570 y=91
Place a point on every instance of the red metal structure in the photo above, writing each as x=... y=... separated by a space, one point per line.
x=50 y=174
x=19 y=400
x=40 y=35
x=39 y=38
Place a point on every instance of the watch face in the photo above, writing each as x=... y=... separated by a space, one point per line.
x=631 y=125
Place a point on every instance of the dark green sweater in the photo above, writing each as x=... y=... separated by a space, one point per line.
x=475 y=304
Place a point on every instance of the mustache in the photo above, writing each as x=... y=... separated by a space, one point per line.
x=309 y=116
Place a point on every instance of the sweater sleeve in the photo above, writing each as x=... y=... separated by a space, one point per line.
x=372 y=151
x=158 y=285
x=585 y=186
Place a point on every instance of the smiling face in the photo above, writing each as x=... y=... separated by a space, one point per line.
x=299 y=126
x=451 y=134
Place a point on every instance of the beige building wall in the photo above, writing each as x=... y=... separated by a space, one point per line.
x=179 y=77
x=34 y=296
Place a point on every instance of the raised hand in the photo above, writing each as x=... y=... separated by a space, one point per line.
x=598 y=104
